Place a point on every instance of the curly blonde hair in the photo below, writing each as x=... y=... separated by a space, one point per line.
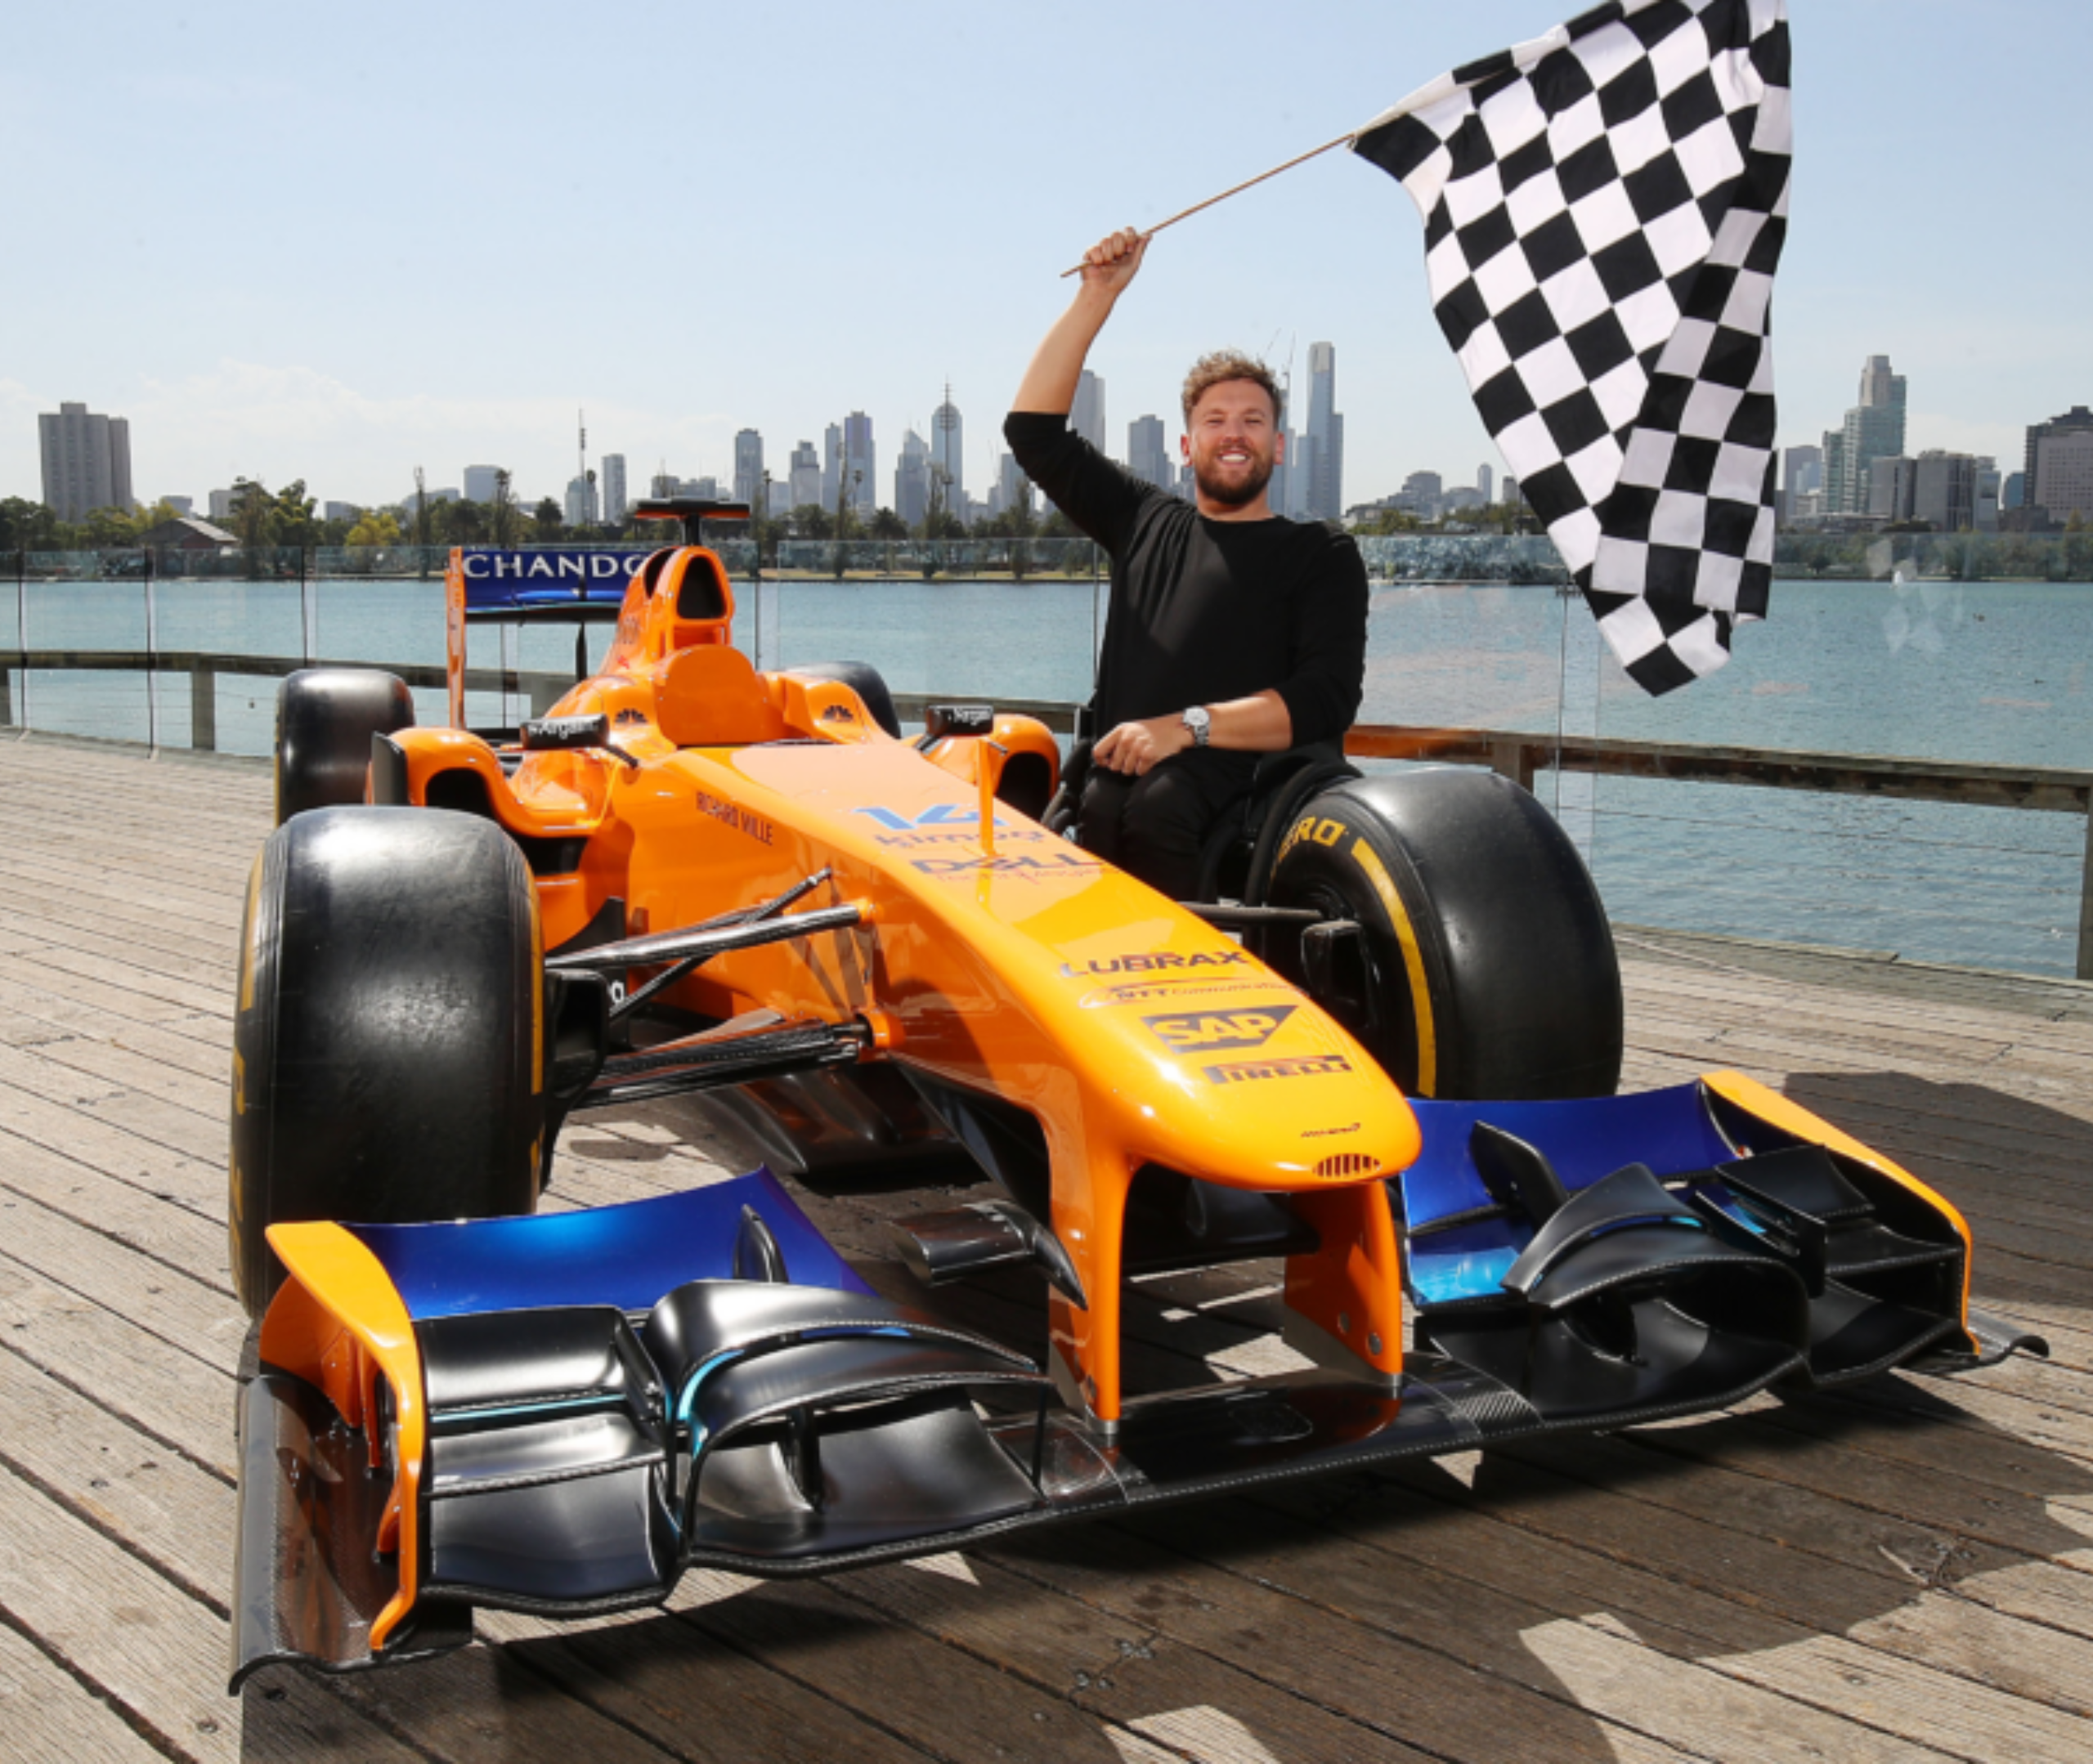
x=1211 y=370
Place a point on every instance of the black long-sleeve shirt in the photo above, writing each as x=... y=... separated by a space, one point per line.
x=1203 y=611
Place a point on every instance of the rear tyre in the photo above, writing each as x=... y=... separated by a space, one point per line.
x=388 y=1032
x=325 y=718
x=1485 y=967
x=862 y=678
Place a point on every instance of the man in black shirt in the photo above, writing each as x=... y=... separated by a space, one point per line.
x=1232 y=632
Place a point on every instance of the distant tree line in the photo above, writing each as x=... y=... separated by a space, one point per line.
x=261 y=519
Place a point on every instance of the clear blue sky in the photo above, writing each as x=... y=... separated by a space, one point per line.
x=336 y=243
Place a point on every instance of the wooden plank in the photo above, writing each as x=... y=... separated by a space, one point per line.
x=1447 y=1653
x=1593 y=1557
x=170 y=1395
x=155 y=1654
x=688 y=1693
x=1824 y=1541
x=46 y=1712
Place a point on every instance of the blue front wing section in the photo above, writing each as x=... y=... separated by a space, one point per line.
x=629 y=1255
x=1670 y=1131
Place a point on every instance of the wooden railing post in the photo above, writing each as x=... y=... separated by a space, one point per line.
x=1511 y=756
x=203 y=709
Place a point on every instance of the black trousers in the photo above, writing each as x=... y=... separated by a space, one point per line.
x=1154 y=826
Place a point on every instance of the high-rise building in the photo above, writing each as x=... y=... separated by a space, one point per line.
x=2062 y=493
x=860 y=461
x=1802 y=472
x=1013 y=488
x=1420 y=494
x=1148 y=455
x=1874 y=429
x=2064 y=479
x=1834 y=469
x=1485 y=482
x=86 y=461
x=1944 y=489
x=616 y=503
x=806 y=475
x=1325 y=438
x=2014 y=494
x=1892 y=481
x=748 y=467
x=912 y=479
x=480 y=482
x=331 y=511
x=183 y=504
x=947 y=446
x=580 y=501
x=832 y=464
x=1086 y=415
x=1511 y=491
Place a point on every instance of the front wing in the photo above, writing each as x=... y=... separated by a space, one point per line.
x=562 y=1414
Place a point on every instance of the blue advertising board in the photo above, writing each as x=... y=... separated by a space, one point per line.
x=502 y=583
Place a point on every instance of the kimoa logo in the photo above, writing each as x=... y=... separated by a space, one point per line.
x=1163 y=961
x=1217 y=1031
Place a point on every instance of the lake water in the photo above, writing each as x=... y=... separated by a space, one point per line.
x=1994 y=671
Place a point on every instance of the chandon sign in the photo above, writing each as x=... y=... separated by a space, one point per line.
x=496 y=577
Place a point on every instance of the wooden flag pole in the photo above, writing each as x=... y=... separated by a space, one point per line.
x=1343 y=141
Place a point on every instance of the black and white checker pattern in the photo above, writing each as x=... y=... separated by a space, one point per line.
x=1604 y=209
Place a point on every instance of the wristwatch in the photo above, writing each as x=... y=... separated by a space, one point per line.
x=1199 y=720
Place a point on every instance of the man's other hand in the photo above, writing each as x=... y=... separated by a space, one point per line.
x=1138 y=748
x=1111 y=263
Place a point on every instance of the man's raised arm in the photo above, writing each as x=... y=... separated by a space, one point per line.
x=1049 y=386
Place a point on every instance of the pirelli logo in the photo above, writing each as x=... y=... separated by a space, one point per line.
x=1295 y=1066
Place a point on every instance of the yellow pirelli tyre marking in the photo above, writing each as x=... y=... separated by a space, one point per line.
x=1420 y=995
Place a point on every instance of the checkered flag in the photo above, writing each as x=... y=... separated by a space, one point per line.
x=1604 y=209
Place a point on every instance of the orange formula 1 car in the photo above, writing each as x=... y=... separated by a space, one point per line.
x=1387 y=1060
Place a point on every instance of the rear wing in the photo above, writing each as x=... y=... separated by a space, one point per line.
x=488 y=583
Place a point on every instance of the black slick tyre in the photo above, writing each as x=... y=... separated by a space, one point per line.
x=1485 y=968
x=325 y=718
x=388 y=1035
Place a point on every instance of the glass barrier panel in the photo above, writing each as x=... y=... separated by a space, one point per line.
x=1929 y=650
x=66 y=604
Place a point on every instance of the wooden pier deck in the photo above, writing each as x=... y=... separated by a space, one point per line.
x=1903 y=1572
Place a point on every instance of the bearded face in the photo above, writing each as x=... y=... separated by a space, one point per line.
x=1234 y=443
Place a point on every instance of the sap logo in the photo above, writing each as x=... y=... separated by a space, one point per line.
x=1213 y=1032
x=937 y=815
x=839 y=714
x=1162 y=962
x=1256 y=1071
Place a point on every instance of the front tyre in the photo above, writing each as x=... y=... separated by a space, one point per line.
x=325 y=718
x=388 y=1036
x=1484 y=967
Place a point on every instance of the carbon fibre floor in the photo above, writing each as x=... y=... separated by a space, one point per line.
x=1902 y=1572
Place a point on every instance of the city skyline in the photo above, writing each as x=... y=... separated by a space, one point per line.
x=423 y=345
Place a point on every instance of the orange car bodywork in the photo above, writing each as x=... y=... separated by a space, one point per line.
x=993 y=954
